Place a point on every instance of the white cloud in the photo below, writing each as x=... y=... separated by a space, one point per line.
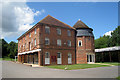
x=17 y=17
x=108 y=33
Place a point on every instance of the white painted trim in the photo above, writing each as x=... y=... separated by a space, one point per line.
x=36 y=50
x=78 y=43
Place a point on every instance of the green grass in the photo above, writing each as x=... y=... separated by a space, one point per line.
x=76 y=66
x=7 y=59
x=118 y=77
x=112 y=63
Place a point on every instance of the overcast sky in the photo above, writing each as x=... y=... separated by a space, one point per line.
x=18 y=17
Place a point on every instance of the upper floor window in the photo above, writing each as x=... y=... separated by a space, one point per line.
x=69 y=43
x=25 y=37
x=59 y=42
x=58 y=31
x=79 y=43
x=47 y=29
x=35 y=30
x=69 y=33
x=47 y=41
x=29 y=34
x=35 y=41
x=25 y=45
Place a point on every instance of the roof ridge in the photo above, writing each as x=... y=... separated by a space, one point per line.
x=57 y=20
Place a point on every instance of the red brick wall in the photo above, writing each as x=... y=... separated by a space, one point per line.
x=87 y=47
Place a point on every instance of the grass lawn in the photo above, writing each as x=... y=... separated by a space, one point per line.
x=76 y=66
x=118 y=77
x=112 y=63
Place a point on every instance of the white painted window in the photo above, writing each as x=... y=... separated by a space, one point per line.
x=25 y=37
x=59 y=42
x=69 y=43
x=69 y=58
x=69 y=33
x=90 y=58
x=47 y=29
x=29 y=45
x=59 y=58
x=35 y=30
x=47 y=58
x=79 y=43
x=29 y=34
x=25 y=45
x=35 y=41
x=47 y=41
x=58 y=31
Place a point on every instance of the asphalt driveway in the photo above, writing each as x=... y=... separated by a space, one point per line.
x=16 y=70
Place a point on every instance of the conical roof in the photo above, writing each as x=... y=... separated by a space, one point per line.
x=53 y=21
x=80 y=24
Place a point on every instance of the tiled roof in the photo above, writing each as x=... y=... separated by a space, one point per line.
x=53 y=21
x=80 y=24
x=49 y=20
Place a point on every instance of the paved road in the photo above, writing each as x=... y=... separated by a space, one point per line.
x=16 y=70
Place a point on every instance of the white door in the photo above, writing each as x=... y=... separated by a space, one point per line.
x=90 y=58
x=47 y=58
x=69 y=58
x=59 y=61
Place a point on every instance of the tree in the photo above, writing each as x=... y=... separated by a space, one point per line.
x=3 y=47
x=115 y=39
x=12 y=48
x=102 y=42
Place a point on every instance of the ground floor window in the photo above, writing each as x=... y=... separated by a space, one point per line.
x=69 y=58
x=90 y=58
x=59 y=60
x=47 y=58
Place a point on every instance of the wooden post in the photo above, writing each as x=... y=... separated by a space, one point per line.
x=102 y=57
x=118 y=56
x=110 y=56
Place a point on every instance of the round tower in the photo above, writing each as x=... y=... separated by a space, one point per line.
x=84 y=43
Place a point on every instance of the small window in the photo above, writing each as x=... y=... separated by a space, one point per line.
x=47 y=55
x=47 y=42
x=47 y=29
x=35 y=30
x=79 y=43
x=69 y=33
x=25 y=45
x=58 y=31
x=59 y=42
x=25 y=37
x=29 y=34
x=58 y=55
x=35 y=41
x=69 y=43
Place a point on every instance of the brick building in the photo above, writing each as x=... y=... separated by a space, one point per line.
x=52 y=42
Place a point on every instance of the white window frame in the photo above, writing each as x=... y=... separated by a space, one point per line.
x=59 y=42
x=58 y=31
x=35 y=41
x=69 y=32
x=59 y=59
x=78 y=43
x=35 y=30
x=47 y=58
x=70 y=43
x=47 y=27
x=30 y=34
x=69 y=54
x=48 y=41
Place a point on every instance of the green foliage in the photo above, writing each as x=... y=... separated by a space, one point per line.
x=109 y=41
x=12 y=48
x=3 y=47
x=8 y=50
